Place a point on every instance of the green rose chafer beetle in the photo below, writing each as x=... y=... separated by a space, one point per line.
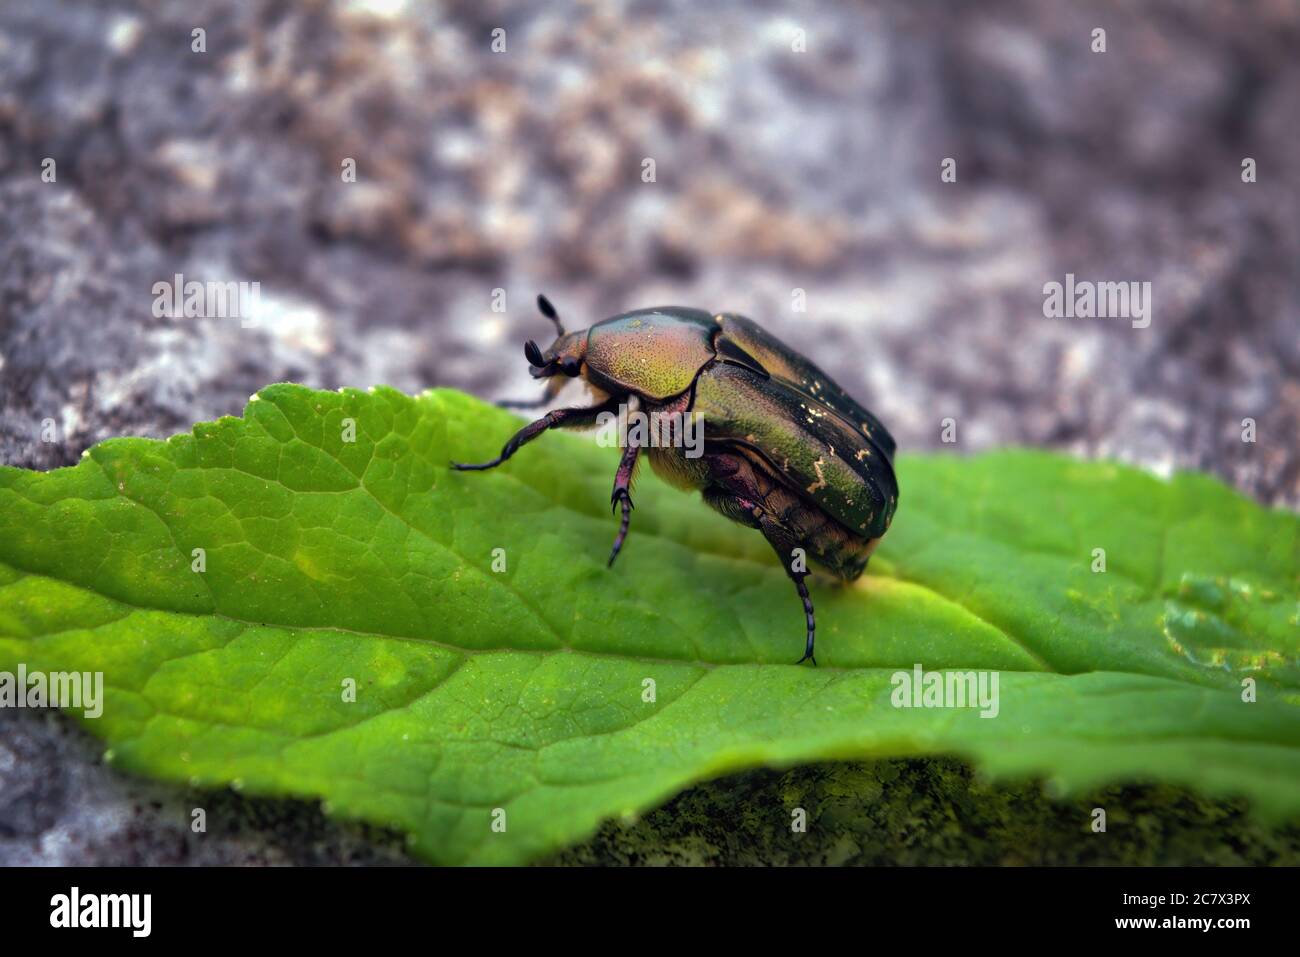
x=785 y=450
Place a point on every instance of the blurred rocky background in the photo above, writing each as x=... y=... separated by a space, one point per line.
x=796 y=146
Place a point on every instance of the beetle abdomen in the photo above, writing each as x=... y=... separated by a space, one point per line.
x=809 y=446
x=740 y=475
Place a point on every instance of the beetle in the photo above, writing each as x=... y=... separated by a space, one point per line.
x=785 y=449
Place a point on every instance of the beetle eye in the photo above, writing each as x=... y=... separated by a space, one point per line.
x=570 y=367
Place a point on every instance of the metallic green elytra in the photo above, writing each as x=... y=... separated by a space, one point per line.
x=785 y=450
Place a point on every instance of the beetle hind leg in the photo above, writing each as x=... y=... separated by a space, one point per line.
x=740 y=509
x=784 y=544
x=808 y=615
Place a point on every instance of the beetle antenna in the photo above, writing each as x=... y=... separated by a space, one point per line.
x=549 y=312
x=534 y=354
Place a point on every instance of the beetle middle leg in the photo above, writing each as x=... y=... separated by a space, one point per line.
x=622 y=494
x=557 y=418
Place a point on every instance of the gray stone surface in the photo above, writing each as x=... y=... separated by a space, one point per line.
x=521 y=170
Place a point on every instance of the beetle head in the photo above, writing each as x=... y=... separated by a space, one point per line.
x=565 y=355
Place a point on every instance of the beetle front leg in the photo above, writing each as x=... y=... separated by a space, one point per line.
x=557 y=418
x=623 y=494
x=553 y=388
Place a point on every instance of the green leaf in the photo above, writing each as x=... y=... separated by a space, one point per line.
x=524 y=689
